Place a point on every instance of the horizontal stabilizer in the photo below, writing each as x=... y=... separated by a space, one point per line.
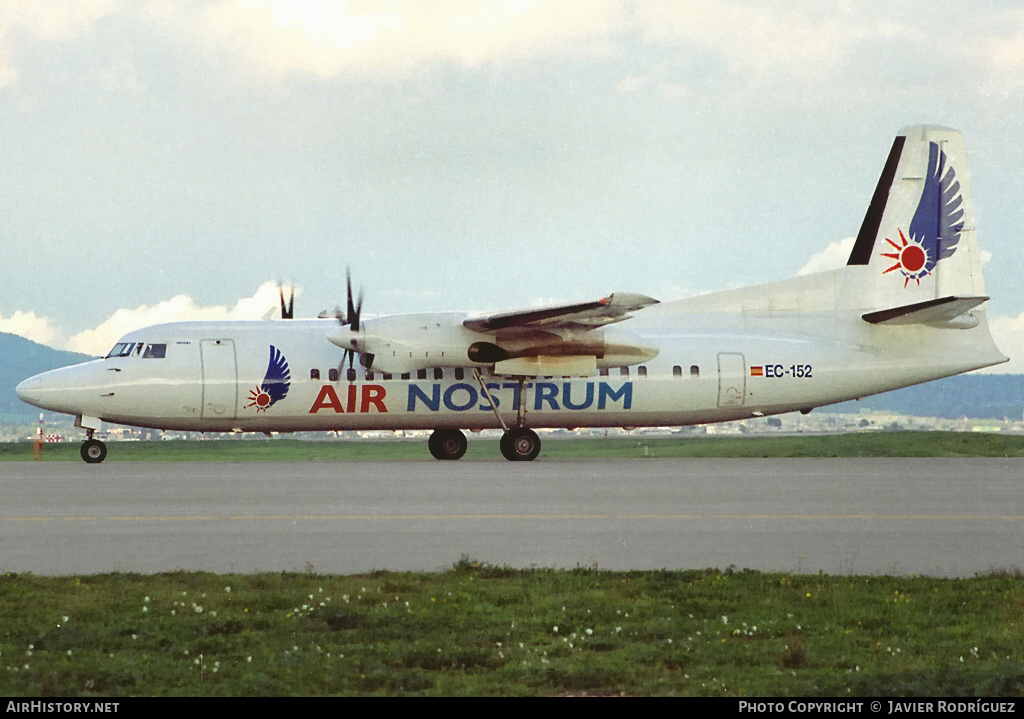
x=944 y=309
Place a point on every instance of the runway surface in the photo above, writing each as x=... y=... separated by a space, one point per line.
x=938 y=517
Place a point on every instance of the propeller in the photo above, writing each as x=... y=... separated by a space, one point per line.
x=287 y=310
x=350 y=319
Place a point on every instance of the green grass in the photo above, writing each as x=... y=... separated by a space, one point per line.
x=483 y=630
x=858 y=444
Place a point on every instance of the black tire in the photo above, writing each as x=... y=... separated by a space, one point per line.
x=520 y=445
x=447 y=444
x=94 y=451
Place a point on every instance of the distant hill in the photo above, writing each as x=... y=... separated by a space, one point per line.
x=975 y=396
x=21 y=358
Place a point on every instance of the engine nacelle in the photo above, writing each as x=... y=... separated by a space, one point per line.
x=407 y=343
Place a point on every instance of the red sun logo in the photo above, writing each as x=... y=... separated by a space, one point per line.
x=911 y=259
x=258 y=399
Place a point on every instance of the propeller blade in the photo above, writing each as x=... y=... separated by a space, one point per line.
x=287 y=311
x=348 y=341
x=341 y=365
x=351 y=310
x=340 y=316
x=359 y=310
x=354 y=308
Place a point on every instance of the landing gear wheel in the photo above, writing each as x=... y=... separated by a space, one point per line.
x=520 y=444
x=94 y=451
x=447 y=444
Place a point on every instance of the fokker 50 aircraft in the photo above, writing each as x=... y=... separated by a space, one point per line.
x=906 y=308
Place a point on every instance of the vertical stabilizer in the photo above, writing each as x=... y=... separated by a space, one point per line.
x=917 y=242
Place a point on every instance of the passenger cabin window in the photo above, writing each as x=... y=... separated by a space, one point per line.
x=460 y=373
x=155 y=351
x=641 y=371
x=603 y=372
x=386 y=376
x=333 y=374
x=677 y=371
x=624 y=371
x=315 y=373
x=438 y=373
x=694 y=371
x=405 y=375
x=421 y=374
x=369 y=374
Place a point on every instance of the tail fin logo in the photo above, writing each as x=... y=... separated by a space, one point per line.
x=936 y=225
x=275 y=383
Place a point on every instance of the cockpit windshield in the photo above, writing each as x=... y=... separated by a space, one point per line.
x=129 y=349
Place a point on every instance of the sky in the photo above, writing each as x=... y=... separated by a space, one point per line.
x=177 y=159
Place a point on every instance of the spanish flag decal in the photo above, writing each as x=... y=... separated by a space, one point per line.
x=757 y=371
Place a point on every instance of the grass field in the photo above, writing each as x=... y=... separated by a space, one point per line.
x=860 y=444
x=481 y=630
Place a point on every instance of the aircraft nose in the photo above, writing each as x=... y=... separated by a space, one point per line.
x=59 y=390
x=29 y=390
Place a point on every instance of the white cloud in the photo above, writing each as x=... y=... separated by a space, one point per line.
x=831 y=258
x=55 y=19
x=265 y=301
x=46 y=20
x=793 y=46
x=327 y=38
x=756 y=41
x=31 y=326
x=673 y=292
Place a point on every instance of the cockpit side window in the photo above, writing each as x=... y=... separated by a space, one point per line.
x=124 y=349
x=127 y=349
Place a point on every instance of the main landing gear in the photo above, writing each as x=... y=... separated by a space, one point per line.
x=518 y=444
x=447 y=444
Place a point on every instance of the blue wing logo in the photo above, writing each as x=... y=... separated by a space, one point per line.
x=275 y=383
x=936 y=225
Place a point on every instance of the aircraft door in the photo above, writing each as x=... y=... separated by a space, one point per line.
x=732 y=379
x=220 y=379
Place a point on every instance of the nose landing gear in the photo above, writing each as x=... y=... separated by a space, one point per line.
x=94 y=451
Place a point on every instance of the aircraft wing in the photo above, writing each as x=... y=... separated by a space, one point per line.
x=583 y=315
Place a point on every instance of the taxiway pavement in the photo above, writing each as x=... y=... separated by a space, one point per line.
x=940 y=517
